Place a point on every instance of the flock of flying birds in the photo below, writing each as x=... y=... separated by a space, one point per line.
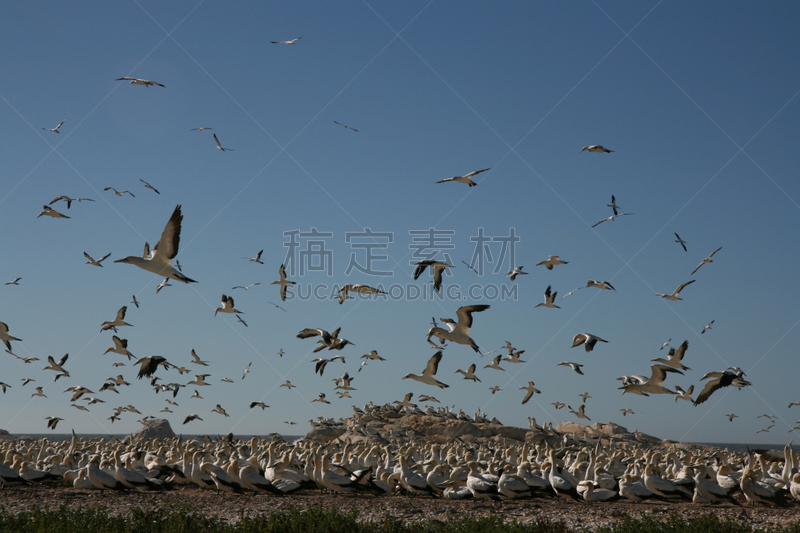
x=161 y=261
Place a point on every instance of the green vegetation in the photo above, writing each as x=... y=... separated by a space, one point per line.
x=317 y=520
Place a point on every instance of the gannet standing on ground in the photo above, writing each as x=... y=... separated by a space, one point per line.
x=5 y=337
x=428 y=375
x=50 y=212
x=137 y=81
x=95 y=262
x=283 y=282
x=706 y=260
x=459 y=333
x=165 y=251
x=227 y=306
x=552 y=261
x=119 y=321
x=56 y=128
x=467 y=178
x=674 y=295
x=587 y=339
x=436 y=266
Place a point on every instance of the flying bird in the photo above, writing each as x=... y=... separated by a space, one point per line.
x=283 y=282
x=262 y=405
x=459 y=331
x=466 y=178
x=165 y=251
x=240 y=319
x=190 y=418
x=147 y=185
x=706 y=327
x=675 y=357
x=119 y=321
x=56 y=128
x=469 y=374
x=552 y=261
x=549 y=298
x=436 y=266
x=135 y=301
x=517 y=271
x=706 y=260
x=196 y=359
x=200 y=129
x=120 y=347
x=13 y=281
x=730 y=376
x=50 y=212
x=137 y=81
x=163 y=284
x=357 y=288
x=70 y=200
x=220 y=147
x=288 y=42
x=150 y=364
x=613 y=205
x=428 y=375
x=611 y=218
x=52 y=421
x=119 y=193
x=681 y=242
x=597 y=148
x=5 y=337
x=587 y=339
x=256 y=259
x=574 y=366
x=95 y=262
x=227 y=306
x=531 y=391
x=247 y=288
x=345 y=126
x=674 y=296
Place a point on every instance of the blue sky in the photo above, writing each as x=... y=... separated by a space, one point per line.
x=698 y=102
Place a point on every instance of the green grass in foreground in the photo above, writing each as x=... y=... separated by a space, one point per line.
x=317 y=520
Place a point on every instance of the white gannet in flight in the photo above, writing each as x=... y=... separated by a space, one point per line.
x=466 y=178
x=56 y=128
x=247 y=288
x=95 y=262
x=288 y=384
x=119 y=193
x=436 y=266
x=730 y=376
x=196 y=359
x=262 y=405
x=283 y=282
x=39 y=392
x=190 y=418
x=674 y=295
x=706 y=327
x=52 y=421
x=613 y=205
x=227 y=306
x=495 y=364
x=513 y=356
x=731 y=416
x=652 y=385
x=459 y=333
x=549 y=298
x=165 y=251
x=627 y=412
x=257 y=258
x=373 y=355
x=137 y=81
x=13 y=281
x=574 y=366
x=552 y=261
x=495 y=389
x=247 y=370
x=587 y=339
x=70 y=200
x=321 y=399
x=531 y=391
x=600 y=285
x=428 y=375
x=220 y=147
x=220 y=410
x=674 y=357
x=118 y=321
x=517 y=271
x=358 y=288
x=597 y=148
x=163 y=284
x=470 y=267
x=681 y=242
x=147 y=185
x=57 y=366
x=288 y=42
x=611 y=218
x=50 y=212
x=345 y=126
x=663 y=344
x=120 y=347
x=684 y=394
x=706 y=260
x=200 y=129
x=240 y=319
x=5 y=337
x=150 y=365
x=580 y=413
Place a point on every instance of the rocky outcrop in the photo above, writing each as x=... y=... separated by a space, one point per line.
x=157 y=428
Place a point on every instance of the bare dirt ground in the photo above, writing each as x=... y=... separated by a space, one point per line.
x=575 y=515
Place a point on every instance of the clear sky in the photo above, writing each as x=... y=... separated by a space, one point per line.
x=698 y=101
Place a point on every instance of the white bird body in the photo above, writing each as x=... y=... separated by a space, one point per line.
x=460 y=332
x=674 y=295
x=466 y=178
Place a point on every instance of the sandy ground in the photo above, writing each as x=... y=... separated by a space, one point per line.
x=576 y=515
